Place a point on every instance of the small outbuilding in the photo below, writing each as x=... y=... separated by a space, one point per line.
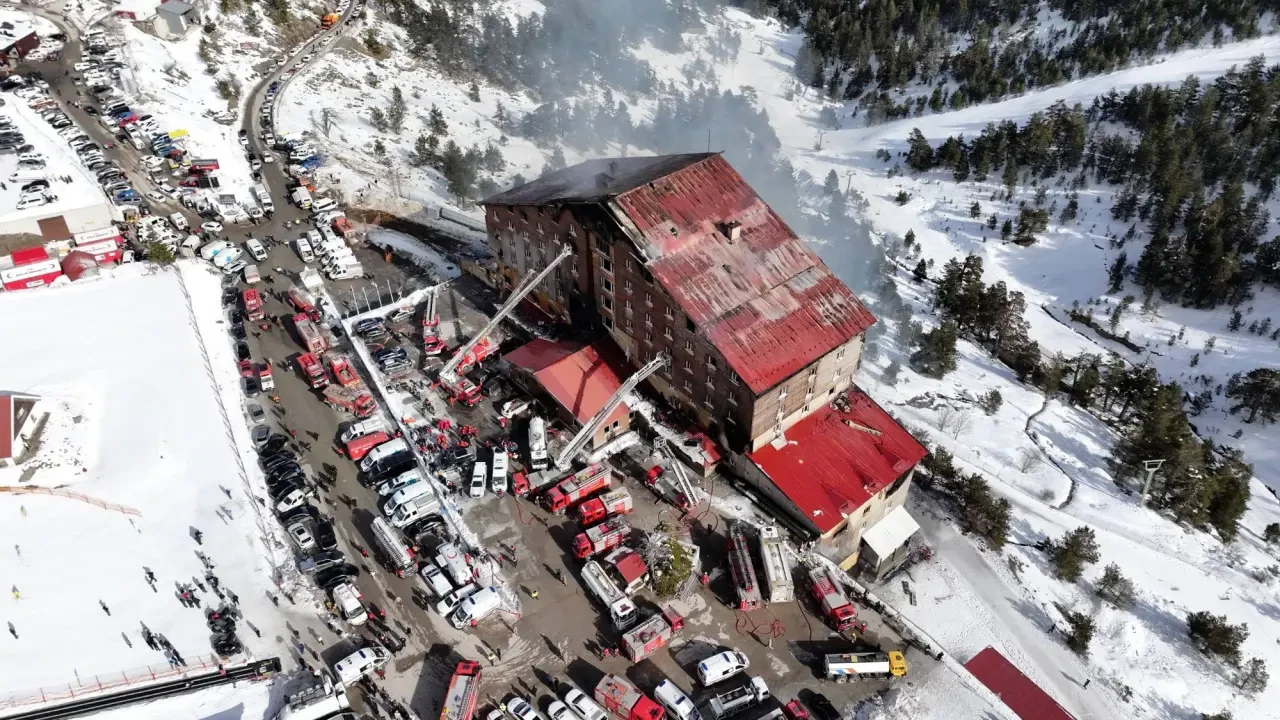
x=18 y=421
x=580 y=379
x=173 y=19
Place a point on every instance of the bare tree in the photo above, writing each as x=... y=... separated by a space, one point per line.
x=1029 y=460
x=326 y=121
x=947 y=417
x=961 y=424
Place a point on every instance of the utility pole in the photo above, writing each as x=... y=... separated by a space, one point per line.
x=848 y=174
x=818 y=145
x=1151 y=466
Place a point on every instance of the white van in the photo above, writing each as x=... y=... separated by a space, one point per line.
x=537 y=443
x=383 y=451
x=209 y=251
x=337 y=264
x=479 y=473
x=498 y=482
x=450 y=560
x=227 y=256
x=322 y=205
x=678 y=705
x=362 y=428
x=393 y=547
x=405 y=495
x=416 y=507
x=302 y=197
x=398 y=483
x=304 y=250
x=476 y=608
x=329 y=249
x=722 y=666
x=347 y=272
x=178 y=220
x=347 y=599
x=256 y=249
x=360 y=663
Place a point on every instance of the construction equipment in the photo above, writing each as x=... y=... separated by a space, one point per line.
x=460 y=698
x=844 y=667
x=342 y=371
x=253 y=305
x=744 y=572
x=614 y=502
x=739 y=699
x=431 y=342
x=579 y=486
x=621 y=609
x=589 y=428
x=352 y=400
x=607 y=535
x=624 y=701
x=312 y=370
x=777 y=573
x=652 y=635
x=309 y=335
x=453 y=375
x=835 y=604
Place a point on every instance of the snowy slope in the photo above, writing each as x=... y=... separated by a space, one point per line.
x=136 y=420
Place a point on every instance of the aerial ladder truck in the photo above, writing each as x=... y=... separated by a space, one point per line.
x=579 y=441
x=431 y=342
x=679 y=490
x=453 y=376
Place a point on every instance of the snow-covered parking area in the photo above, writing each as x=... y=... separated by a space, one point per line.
x=136 y=424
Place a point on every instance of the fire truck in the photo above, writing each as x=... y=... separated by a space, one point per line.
x=431 y=342
x=614 y=502
x=253 y=305
x=607 y=535
x=312 y=370
x=777 y=573
x=358 y=403
x=621 y=610
x=464 y=690
x=578 y=486
x=744 y=572
x=342 y=371
x=652 y=635
x=309 y=334
x=835 y=604
x=843 y=667
x=624 y=701
x=304 y=302
x=453 y=376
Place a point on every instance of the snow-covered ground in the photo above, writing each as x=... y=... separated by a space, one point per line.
x=136 y=371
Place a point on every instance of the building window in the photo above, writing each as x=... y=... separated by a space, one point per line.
x=733 y=400
x=688 y=366
x=627 y=286
x=601 y=245
x=707 y=402
x=630 y=265
x=528 y=252
x=606 y=302
x=524 y=235
x=835 y=378
x=628 y=320
x=711 y=383
x=782 y=394
x=648 y=338
x=648 y=320
x=670 y=315
x=573 y=269
x=688 y=346
x=813 y=372
x=606 y=284
x=573 y=231
x=688 y=386
x=733 y=379
x=648 y=299
x=606 y=265
x=806 y=407
x=539 y=228
x=608 y=321
x=666 y=333
x=688 y=325
x=627 y=306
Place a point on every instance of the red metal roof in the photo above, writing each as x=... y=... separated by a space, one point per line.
x=581 y=379
x=631 y=567
x=833 y=461
x=766 y=301
x=6 y=427
x=1016 y=690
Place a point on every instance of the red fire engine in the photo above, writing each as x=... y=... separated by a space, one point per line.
x=578 y=486
x=625 y=701
x=464 y=690
x=312 y=371
x=304 y=302
x=607 y=535
x=835 y=604
x=614 y=502
x=309 y=334
x=253 y=305
x=342 y=371
x=652 y=635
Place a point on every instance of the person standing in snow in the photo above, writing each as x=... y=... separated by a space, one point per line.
x=13 y=631
x=104 y=607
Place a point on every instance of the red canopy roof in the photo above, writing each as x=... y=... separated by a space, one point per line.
x=631 y=567
x=580 y=378
x=1016 y=690
x=832 y=462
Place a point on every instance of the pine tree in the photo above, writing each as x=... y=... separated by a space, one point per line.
x=1258 y=391
x=396 y=111
x=473 y=93
x=975 y=210
x=1236 y=321
x=891 y=373
x=921 y=271
x=1115 y=588
x=1116 y=273
x=1081 y=632
x=1214 y=634
x=421 y=155
x=993 y=221
x=1006 y=230
x=831 y=186
x=378 y=119
x=909 y=239
x=457 y=171
x=919 y=152
x=1272 y=534
x=937 y=354
x=1073 y=552
x=992 y=401
x=557 y=161
x=436 y=123
x=1253 y=677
